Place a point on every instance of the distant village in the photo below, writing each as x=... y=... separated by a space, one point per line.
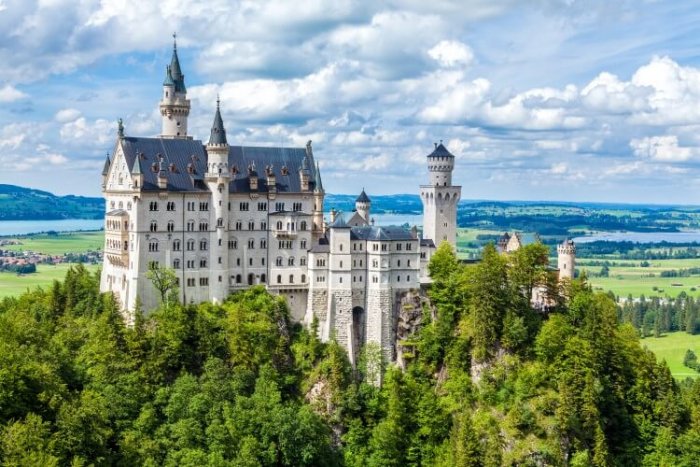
x=25 y=261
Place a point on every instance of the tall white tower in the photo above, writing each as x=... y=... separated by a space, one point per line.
x=174 y=106
x=566 y=259
x=217 y=178
x=440 y=198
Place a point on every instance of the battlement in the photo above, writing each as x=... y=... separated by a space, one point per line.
x=567 y=248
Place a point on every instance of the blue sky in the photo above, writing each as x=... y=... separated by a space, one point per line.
x=539 y=100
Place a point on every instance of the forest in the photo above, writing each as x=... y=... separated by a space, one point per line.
x=487 y=380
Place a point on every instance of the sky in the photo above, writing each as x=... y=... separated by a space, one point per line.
x=539 y=100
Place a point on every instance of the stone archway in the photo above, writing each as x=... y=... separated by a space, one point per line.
x=359 y=318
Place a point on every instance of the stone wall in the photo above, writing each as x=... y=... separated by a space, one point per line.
x=342 y=319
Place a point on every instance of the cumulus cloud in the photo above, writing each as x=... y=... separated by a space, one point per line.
x=663 y=149
x=451 y=53
x=9 y=93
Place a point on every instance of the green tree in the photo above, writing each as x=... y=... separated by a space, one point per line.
x=165 y=282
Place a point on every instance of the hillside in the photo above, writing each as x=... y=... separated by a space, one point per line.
x=19 y=203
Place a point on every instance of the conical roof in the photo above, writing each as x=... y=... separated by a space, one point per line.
x=168 y=81
x=176 y=71
x=218 y=133
x=440 y=151
x=108 y=163
x=136 y=169
x=363 y=198
x=318 y=186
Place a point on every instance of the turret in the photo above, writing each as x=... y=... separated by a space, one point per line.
x=174 y=106
x=304 y=174
x=440 y=198
x=217 y=179
x=136 y=173
x=318 y=227
x=363 y=205
x=162 y=174
x=566 y=259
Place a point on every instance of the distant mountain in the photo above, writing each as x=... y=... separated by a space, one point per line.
x=400 y=204
x=19 y=203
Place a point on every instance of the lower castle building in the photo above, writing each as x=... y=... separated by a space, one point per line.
x=225 y=217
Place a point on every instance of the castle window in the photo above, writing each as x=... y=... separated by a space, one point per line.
x=251 y=278
x=320 y=262
x=190 y=205
x=375 y=279
x=384 y=247
x=203 y=226
x=191 y=282
x=409 y=263
x=279 y=278
x=340 y=280
x=341 y=264
x=296 y=207
x=238 y=261
x=176 y=245
x=262 y=261
x=202 y=263
x=203 y=245
x=176 y=264
x=279 y=207
x=303 y=244
x=219 y=278
x=153 y=206
x=250 y=261
x=204 y=281
x=408 y=278
x=290 y=261
x=263 y=225
x=239 y=225
x=398 y=278
x=291 y=278
x=360 y=278
x=251 y=243
x=220 y=260
x=302 y=261
x=398 y=247
x=171 y=226
x=153 y=245
x=375 y=263
x=239 y=279
x=341 y=247
x=203 y=206
x=279 y=225
x=262 y=206
x=303 y=225
x=128 y=206
x=190 y=245
x=190 y=226
x=170 y=206
x=154 y=226
x=375 y=247
x=303 y=278
x=278 y=261
x=243 y=206
x=263 y=278
x=263 y=243
x=232 y=244
x=398 y=263
x=220 y=222
x=251 y=225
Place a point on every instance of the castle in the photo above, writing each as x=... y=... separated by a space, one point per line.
x=225 y=217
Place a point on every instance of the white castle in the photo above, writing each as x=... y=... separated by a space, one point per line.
x=225 y=217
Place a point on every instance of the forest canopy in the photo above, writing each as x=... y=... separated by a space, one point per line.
x=488 y=380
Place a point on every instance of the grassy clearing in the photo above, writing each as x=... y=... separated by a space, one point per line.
x=71 y=242
x=636 y=280
x=13 y=284
x=672 y=347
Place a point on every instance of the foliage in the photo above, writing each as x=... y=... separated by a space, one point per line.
x=493 y=381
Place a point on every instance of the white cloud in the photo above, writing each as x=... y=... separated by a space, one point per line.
x=67 y=115
x=451 y=53
x=662 y=149
x=9 y=93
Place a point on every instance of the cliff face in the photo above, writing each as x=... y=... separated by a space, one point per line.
x=20 y=203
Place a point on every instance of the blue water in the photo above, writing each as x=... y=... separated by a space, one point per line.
x=642 y=237
x=63 y=225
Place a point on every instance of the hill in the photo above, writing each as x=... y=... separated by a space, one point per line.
x=19 y=203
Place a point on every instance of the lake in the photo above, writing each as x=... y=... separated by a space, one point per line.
x=642 y=237
x=61 y=225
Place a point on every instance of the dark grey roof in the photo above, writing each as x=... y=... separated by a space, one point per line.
x=176 y=71
x=117 y=212
x=427 y=243
x=339 y=222
x=178 y=154
x=218 y=132
x=318 y=185
x=440 y=151
x=322 y=246
x=105 y=169
x=363 y=198
x=375 y=233
x=136 y=168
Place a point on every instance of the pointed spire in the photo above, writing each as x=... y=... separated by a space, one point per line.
x=363 y=198
x=136 y=169
x=218 y=133
x=168 y=81
x=305 y=163
x=318 y=186
x=105 y=169
x=175 y=70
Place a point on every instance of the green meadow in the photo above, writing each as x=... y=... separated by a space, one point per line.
x=672 y=347
x=70 y=242
x=15 y=284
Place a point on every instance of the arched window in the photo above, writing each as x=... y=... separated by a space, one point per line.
x=291 y=278
x=238 y=279
x=263 y=278
x=290 y=261
x=279 y=225
x=251 y=278
x=202 y=245
x=303 y=278
x=176 y=263
x=154 y=226
x=303 y=225
x=279 y=278
x=176 y=245
x=278 y=261
x=171 y=226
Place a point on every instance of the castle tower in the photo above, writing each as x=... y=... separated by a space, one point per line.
x=318 y=229
x=174 y=106
x=217 y=178
x=566 y=259
x=440 y=198
x=363 y=205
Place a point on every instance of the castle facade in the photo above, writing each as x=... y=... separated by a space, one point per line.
x=225 y=217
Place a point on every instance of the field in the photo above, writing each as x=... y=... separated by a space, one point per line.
x=13 y=284
x=672 y=347
x=636 y=280
x=75 y=242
